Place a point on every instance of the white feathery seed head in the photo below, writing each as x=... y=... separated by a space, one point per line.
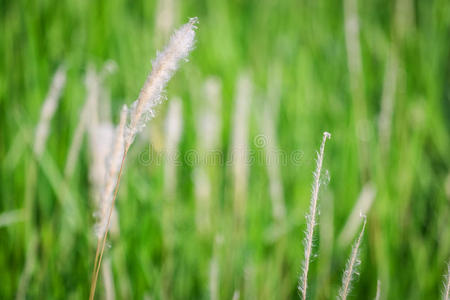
x=164 y=66
x=113 y=168
x=311 y=221
x=351 y=269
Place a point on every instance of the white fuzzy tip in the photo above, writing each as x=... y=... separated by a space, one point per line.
x=164 y=66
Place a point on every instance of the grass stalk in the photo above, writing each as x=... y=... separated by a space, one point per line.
x=378 y=294
x=101 y=249
x=311 y=219
x=142 y=110
x=352 y=264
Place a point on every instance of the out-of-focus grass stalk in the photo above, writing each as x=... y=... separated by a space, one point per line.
x=203 y=191
x=311 y=219
x=272 y=164
x=108 y=280
x=93 y=109
x=214 y=269
x=236 y=295
x=165 y=16
x=362 y=206
x=48 y=109
x=355 y=69
x=239 y=146
x=88 y=117
x=378 y=294
x=11 y=217
x=173 y=131
x=387 y=102
x=208 y=126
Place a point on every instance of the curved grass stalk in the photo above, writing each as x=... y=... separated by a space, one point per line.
x=142 y=110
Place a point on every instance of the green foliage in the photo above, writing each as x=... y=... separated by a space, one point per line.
x=159 y=252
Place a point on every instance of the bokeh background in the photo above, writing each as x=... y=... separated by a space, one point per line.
x=266 y=79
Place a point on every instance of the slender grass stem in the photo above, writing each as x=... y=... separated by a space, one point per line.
x=352 y=264
x=311 y=219
x=105 y=235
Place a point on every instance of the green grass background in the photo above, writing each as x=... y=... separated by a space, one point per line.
x=407 y=241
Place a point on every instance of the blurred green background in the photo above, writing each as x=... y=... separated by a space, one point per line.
x=375 y=74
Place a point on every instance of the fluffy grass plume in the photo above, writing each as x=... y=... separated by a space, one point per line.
x=142 y=110
x=352 y=265
x=164 y=66
x=311 y=219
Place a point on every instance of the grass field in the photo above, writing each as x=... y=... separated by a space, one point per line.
x=266 y=79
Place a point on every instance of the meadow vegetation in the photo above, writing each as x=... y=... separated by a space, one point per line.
x=215 y=192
